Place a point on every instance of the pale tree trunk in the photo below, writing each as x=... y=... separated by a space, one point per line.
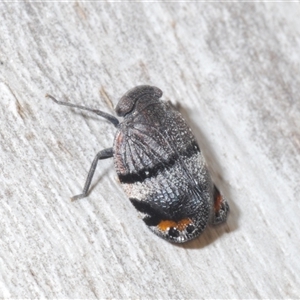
x=233 y=68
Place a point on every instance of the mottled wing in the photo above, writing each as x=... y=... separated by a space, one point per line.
x=158 y=161
x=154 y=140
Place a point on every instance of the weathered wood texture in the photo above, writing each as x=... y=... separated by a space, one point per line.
x=234 y=70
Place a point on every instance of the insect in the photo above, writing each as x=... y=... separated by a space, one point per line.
x=160 y=166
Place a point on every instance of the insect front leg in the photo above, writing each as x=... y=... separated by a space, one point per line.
x=100 y=113
x=103 y=154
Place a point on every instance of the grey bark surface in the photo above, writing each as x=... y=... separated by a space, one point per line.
x=233 y=70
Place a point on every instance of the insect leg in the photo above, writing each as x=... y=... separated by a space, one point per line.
x=103 y=114
x=221 y=208
x=103 y=154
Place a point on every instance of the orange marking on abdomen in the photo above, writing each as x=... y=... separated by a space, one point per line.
x=166 y=224
x=180 y=225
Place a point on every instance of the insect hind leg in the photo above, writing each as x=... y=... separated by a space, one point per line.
x=103 y=154
x=221 y=208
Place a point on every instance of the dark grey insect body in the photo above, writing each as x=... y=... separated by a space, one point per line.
x=160 y=167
